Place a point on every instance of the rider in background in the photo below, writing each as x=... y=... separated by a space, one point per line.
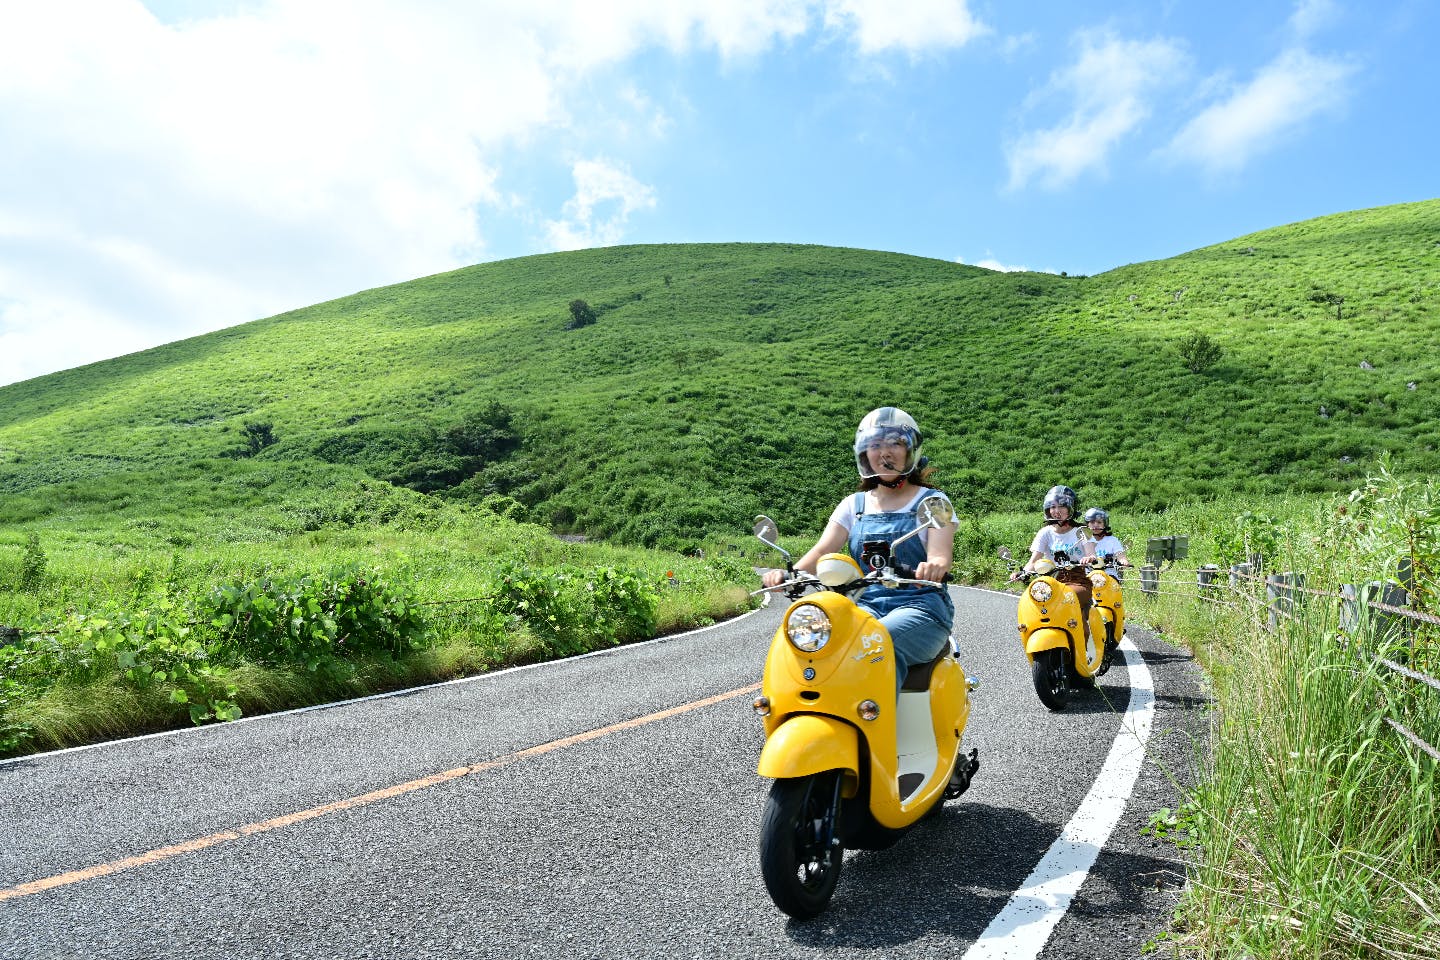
x=892 y=484
x=1060 y=536
x=1108 y=548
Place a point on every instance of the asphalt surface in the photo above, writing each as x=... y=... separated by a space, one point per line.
x=638 y=841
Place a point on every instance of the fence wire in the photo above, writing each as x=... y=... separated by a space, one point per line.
x=1277 y=606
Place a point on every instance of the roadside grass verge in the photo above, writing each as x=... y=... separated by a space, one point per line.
x=105 y=643
x=1314 y=831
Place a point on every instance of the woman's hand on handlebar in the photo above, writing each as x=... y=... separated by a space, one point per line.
x=929 y=570
x=775 y=577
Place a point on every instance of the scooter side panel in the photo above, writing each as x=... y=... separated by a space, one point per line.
x=807 y=743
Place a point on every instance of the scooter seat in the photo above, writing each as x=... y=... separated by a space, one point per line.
x=918 y=676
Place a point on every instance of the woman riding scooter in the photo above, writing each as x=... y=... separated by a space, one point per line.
x=1060 y=535
x=892 y=476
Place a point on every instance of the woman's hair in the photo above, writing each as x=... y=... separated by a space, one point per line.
x=920 y=476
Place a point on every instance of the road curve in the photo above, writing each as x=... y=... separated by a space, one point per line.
x=603 y=806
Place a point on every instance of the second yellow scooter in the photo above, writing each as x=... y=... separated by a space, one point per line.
x=1062 y=656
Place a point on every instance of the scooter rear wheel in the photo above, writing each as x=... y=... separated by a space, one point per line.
x=1048 y=671
x=800 y=846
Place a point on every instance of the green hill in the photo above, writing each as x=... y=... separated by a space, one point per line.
x=721 y=379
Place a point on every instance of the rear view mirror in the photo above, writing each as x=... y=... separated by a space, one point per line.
x=767 y=531
x=935 y=512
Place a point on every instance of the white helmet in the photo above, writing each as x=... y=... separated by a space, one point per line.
x=887 y=424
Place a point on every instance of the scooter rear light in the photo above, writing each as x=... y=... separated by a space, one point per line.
x=762 y=706
x=868 y=710
x=1040 y=590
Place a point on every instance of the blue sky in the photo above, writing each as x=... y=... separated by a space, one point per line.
x=171 y=168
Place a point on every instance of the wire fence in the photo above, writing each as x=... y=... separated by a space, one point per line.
x=1379 y=607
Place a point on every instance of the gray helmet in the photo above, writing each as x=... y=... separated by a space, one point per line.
x=1061 y=496
x=890 y=424
x=1095 y=513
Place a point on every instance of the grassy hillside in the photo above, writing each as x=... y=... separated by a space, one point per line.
x=324 y=503
x=721 y=379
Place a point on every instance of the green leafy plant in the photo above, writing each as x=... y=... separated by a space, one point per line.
x=1394 y=523
x=1180 y=826
x=1251 y=533
x=32 y=564
x=314 y=619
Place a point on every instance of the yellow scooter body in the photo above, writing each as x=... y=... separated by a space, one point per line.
x=1055 y=623
x=815 y=723
x=1105 y=592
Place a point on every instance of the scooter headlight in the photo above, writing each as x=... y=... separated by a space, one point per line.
x=1098 y=579
x=807 y=628
x=1040 y=591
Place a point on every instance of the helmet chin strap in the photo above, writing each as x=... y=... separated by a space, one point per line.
x=892 y=484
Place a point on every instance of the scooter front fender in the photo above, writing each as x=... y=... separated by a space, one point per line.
x=808 y=743
x=1046 y=638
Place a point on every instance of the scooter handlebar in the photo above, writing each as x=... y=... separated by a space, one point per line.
x=799 y=581
x=794 y=585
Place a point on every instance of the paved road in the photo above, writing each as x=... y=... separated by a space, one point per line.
x=428 y=824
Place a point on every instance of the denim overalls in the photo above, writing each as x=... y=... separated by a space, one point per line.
x=918 y=618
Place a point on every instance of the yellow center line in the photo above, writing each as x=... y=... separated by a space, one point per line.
x=435 y=779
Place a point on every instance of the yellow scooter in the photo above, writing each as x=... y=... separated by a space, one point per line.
x=852 y=766
x=1062 y=657
x=1105 y=594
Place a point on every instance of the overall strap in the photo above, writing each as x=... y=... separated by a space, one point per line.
x=860 y=504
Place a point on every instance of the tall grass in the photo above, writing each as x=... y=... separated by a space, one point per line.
x=1318 y=824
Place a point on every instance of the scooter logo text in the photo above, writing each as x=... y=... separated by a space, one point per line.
x=871 y=645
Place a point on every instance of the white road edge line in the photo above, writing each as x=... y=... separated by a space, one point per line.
x=1024 y=926
x=404 y=691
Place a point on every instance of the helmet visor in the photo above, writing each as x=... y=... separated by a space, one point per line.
x=886 y=450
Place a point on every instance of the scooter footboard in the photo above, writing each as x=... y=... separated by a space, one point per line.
x=808 y=743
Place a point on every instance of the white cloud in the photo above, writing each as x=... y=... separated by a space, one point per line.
x=1255 y=117
x=990 y=263
x=605 y=196
x=1312 y=16
x=915 y=26
x=281 y=152
x=1111 y=87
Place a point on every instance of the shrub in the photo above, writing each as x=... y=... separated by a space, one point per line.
x=1198 y=352
x=258 y=436
x=581 y=315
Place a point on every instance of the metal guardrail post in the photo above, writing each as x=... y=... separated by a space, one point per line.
x=1240 y=575
x=1282 y=595
x=1388 y=626
x=1205 y=579
x=1349 y=608
x=1149 y=578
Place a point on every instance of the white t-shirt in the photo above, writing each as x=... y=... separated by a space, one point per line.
x=1048 y=540
x=844 y=514
x=1108 y=546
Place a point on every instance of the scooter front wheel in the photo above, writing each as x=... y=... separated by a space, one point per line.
x=1048 y=671
x=800 y=846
